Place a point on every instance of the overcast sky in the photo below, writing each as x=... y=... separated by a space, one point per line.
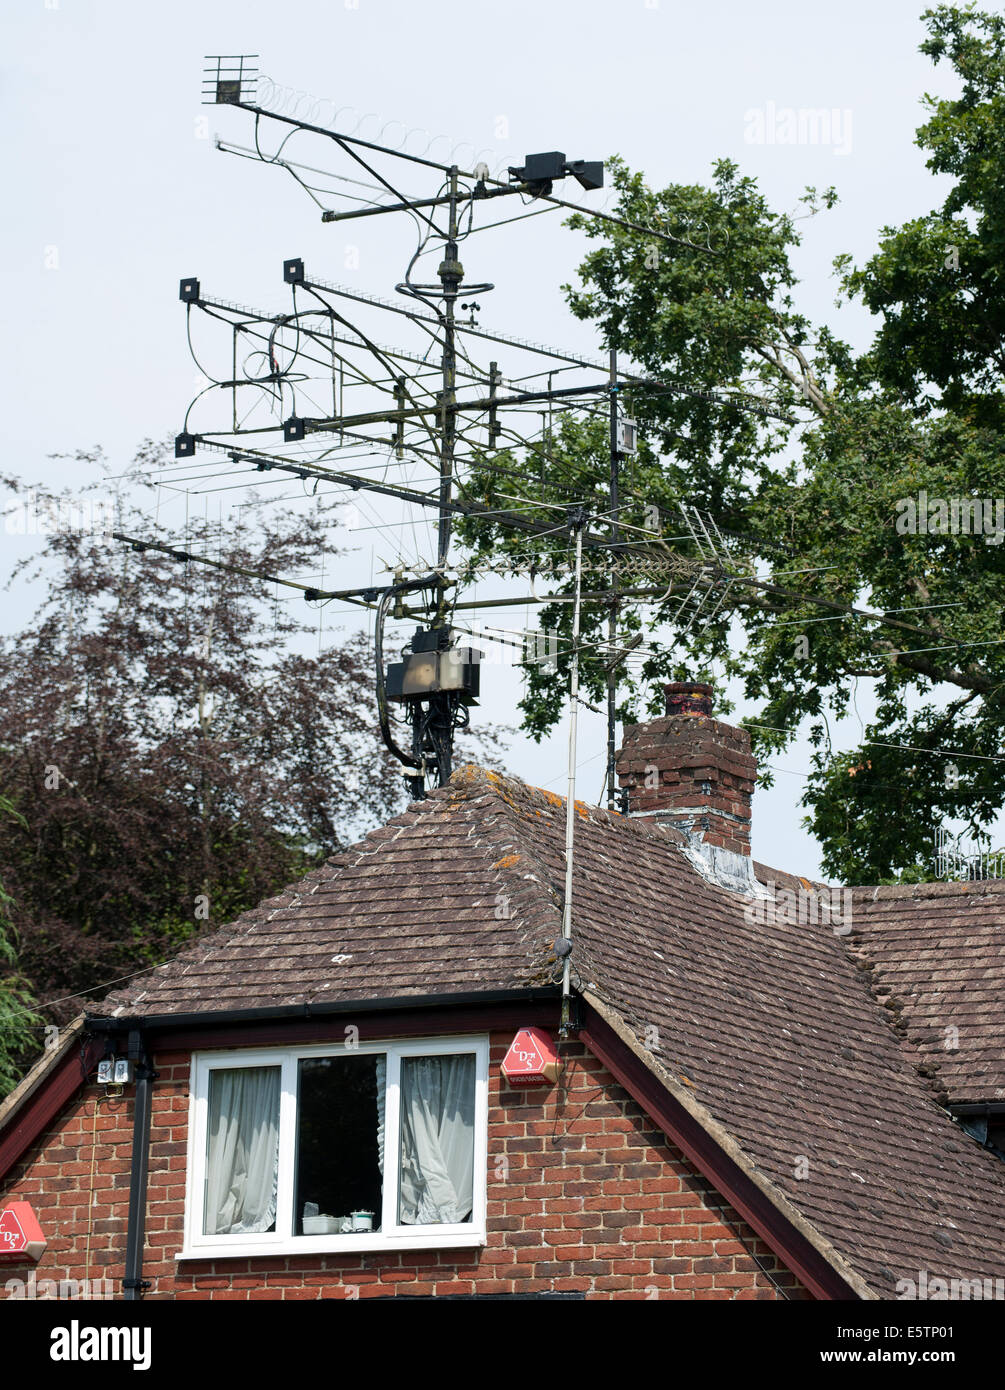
x=115 y=192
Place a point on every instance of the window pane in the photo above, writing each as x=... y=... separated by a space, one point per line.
x=340 y=1144
x=242 y=1150
x=437 y=1139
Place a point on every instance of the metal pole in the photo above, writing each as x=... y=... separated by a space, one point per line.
x=612 y=618
x=441 y=713
x=570 y=805
x=451 y=274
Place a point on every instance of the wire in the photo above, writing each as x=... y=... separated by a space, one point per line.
x=936 y=752
x=85 y=993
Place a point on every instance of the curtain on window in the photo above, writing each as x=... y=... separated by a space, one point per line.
x=437 y=1139
x=381 y=1087
x=242 y=1150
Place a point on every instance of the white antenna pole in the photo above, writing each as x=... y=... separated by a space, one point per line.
x=570 y=804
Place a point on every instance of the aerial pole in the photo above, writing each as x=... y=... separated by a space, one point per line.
x=578 y=519
x=434 y=720
x=451 y=274
x=612 y=618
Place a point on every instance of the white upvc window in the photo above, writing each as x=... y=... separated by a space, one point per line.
x=377 y=1146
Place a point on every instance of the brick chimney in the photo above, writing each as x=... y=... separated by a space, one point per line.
x=690 y=771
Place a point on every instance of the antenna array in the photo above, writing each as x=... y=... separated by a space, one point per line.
x=312 y=390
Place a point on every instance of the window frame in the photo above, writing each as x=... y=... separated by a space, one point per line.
x=282 y=1241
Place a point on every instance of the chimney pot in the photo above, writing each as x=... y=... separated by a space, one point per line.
x=693 y=698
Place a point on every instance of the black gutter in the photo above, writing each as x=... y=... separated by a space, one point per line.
x=95 y=1023
x=133 y=1283
x=978 y=1108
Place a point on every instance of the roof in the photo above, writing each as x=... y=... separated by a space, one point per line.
x=937 y=955
x=440 y=900
x=772 y=1027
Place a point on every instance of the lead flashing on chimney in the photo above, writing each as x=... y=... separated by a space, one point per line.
x=723 y=867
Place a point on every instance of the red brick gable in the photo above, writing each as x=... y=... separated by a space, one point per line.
x=584 y=1197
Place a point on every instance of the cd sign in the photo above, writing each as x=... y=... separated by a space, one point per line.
x=531 y=1060
x=20 y=1234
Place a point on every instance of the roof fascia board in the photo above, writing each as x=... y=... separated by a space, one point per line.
x=39 y=1070
x=37 y=1100
x=402 y=1003
x=390 y=1023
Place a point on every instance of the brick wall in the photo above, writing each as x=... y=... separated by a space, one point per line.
x=583 y=1196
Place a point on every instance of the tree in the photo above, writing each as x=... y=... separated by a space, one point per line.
x=809 y=455
x=174 y=748
x=936 y=282
x=18 y=1020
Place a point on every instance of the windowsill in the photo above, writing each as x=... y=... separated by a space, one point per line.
x=368 y=1243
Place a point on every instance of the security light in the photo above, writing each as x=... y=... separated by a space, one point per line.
x=540 y=170
x=588 y=172
x=544 y=166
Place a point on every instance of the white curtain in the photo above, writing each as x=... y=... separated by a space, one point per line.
x=242 y=1167
x=381 y=1080
x=437 y=1139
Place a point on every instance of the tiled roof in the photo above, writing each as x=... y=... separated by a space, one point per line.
x=438 y=901
x=771 y=1026
x=937 y=952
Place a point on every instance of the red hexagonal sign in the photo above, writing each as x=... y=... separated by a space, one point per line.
x=21 y=1236
x=531 y=1060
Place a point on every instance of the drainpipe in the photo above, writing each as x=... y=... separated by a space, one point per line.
x=133 y=1283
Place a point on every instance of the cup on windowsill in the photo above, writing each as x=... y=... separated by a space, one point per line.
x=361 y=1220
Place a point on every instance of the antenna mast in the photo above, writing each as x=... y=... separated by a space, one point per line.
x=291 y=377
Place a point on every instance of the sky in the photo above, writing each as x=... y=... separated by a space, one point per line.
x=116 y=192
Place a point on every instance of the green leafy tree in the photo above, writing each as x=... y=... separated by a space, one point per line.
x=807 y=455
x=936 y=282
x=19 y=1023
